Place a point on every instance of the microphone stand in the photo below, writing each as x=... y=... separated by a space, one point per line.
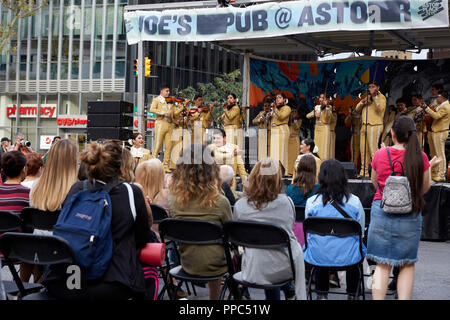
x=246 y=141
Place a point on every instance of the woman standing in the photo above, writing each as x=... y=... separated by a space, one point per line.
x=138 y=152
x=294 y=140
x=265 y=203
x=279 y=136
x=195 y=193
x=393 y=240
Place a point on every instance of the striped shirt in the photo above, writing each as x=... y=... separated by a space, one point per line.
x=14 y=197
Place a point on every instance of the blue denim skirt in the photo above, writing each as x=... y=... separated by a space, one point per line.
x=393 y=239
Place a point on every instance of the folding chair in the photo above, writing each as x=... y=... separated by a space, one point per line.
x=337 y=227
x=258 y=235
x=38 y=219
x=158 y=213
x=12 y=222
x=34 y=249
x=195 y=232
x=299 y=214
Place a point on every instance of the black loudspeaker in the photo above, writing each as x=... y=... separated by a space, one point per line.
x=350 y=170
x=109 y=120
x=109 y=106
x=99 y=133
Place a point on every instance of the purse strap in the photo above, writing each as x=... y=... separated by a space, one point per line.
x=338 y=208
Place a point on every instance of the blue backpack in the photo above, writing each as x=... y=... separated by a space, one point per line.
x=85 y=222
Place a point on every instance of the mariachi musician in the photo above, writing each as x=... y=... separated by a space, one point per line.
x=333 y=122
x=294 y=140
x=354 y=120
x=439 y=132
x=418 y=116
x=279 y=135
x=200 y=117
x=263 y=121
x=181 y=137
x=322 y=113
x=232 y=120
x=163 y=126
x=372 y=109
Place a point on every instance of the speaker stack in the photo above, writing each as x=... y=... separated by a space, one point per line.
x=109 y=119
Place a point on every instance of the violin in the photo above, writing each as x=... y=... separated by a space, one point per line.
x=174 y=100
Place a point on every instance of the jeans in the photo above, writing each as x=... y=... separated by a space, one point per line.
x=323 y=279
x=274 y=294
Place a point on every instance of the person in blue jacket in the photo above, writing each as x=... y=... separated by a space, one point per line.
x=330 y=251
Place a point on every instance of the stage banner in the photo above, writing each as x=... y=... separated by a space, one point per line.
x=283 y=18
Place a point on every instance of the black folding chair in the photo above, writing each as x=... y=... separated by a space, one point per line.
x=158 y=213
x=299 y=214
x=260 y=236
x=195 y=232
x=337 y=227
x=34 y=249
x=38 y=219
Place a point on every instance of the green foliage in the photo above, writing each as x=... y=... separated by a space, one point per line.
x=215 y=92
x=19 y=9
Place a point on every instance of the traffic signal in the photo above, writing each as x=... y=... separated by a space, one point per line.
x=136 y=64
x=148 y=67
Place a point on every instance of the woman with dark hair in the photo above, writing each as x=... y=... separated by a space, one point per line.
x=139 y=153
x=307 y=147
x=265 y=203
x=304 y=186
x=393 y=240
x=279 y=133
x=331 y=251
x=195 y=193
x=14 y=196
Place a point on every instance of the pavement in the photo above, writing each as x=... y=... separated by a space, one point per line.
x=432 y=277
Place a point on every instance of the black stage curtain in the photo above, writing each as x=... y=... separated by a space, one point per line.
x=436 y=214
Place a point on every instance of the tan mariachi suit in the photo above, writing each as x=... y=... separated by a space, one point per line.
x=200 y=121
x=386 y=137
x=293 y=145
x=140 y=155
x=354 y=119
x=181 y=137
x=438 y=136
x=375 y=115
x=225 y=155
x=263 y=135
x=420 y=124
x=322 y=131
x=332 y=135
x=232 y=123
x=279 y=135
x=163 y=128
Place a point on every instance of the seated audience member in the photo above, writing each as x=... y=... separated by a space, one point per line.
x=58 y=176
x=307 y=147
x=227 y=176
x=304 y=187
x=14 y=196
x=328 y=250
x=34 y=169
x=195 y=193
x=265 y=203
x=150 y=174
x=124 y=277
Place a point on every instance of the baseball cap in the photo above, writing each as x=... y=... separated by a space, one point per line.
x=5 y=139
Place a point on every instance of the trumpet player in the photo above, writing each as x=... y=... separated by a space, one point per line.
x=322 y=113
x=263 y=121
x=439 y=132
x=372 y=109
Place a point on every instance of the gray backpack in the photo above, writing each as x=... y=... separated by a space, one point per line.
x=397 y=192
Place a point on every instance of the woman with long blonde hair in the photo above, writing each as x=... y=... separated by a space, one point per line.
x=150 y=174
x=60 y=173
x=264 y=202
x=195 y=194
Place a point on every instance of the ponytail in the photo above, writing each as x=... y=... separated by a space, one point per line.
x=405 y=131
